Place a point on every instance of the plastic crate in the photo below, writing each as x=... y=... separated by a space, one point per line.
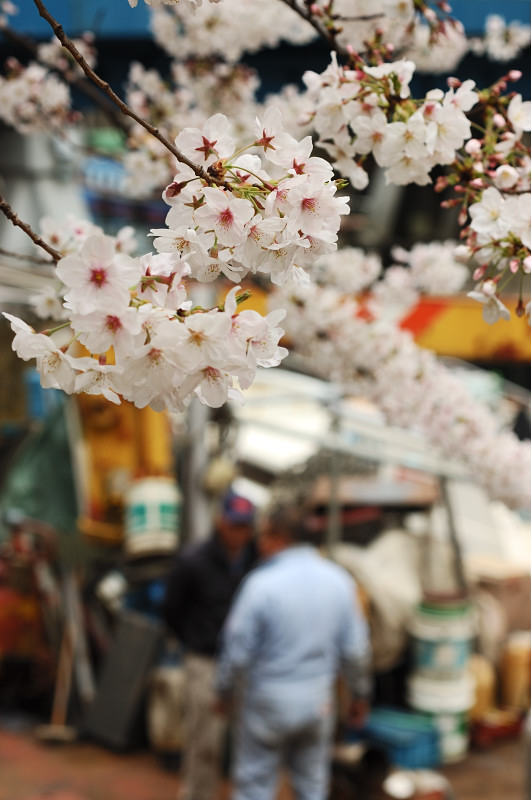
x=411 y=740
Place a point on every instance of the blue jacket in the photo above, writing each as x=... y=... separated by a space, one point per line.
x=295 y=619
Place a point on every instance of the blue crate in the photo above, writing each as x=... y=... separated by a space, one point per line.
x=411 y=740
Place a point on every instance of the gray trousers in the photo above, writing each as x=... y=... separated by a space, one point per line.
x=203 y=731
x=284 y=727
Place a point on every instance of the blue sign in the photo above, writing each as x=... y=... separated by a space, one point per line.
x=106 y=18
x=473 y=13
x=115 y=18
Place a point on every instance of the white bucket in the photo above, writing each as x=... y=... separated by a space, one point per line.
x=441 y=639
x=152 y=516
x=448 y=702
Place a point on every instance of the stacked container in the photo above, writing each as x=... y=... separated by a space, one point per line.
x=442 y=631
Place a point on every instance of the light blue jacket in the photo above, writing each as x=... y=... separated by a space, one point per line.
x=295 y=620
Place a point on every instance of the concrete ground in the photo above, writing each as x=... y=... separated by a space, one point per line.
x=33 y=770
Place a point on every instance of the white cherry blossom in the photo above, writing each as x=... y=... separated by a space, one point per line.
x=98 y=276
x=226 y=215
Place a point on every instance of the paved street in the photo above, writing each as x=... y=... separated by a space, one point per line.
x=32 y=770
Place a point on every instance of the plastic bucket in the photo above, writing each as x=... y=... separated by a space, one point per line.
x=441 y=637
x=152 y=516
x=447 y=702
x=515 y=671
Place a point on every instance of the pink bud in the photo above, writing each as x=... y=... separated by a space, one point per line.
x=479 y=272
x=513 y=265
x=473 y=146
x=514 y=75
x=477 y=183
x=453 y=83
x=499 y=120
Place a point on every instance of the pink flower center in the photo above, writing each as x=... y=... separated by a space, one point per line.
x=113 y=323
x=309 y=204
x=211 y=374
x=226 y=218
x=155 y=356
x=98 y=276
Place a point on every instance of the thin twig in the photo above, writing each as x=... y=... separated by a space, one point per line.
x=124 y=108
x=328 y=36
x=24 y=257
x=6 y=209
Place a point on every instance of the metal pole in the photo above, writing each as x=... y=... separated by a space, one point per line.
x=334 y=527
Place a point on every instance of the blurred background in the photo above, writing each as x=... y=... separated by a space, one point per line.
x=96 y=498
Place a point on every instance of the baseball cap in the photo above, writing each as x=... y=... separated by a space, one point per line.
x=237 y=510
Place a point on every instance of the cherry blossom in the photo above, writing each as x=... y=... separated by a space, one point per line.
x=98 y=276
x=255 y=202
x=376 y=359
x=33 y=99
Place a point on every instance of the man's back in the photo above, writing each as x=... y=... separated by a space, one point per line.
x=295 y=619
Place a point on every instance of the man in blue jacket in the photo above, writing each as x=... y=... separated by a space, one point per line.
x=294 y=626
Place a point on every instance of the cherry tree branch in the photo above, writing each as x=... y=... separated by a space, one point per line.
x=6 y=209
x=329 y=35
x=124 y=108
x=24 y=257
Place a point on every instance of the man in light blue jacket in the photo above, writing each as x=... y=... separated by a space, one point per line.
x=294 y=626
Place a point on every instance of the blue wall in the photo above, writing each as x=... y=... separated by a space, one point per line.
x=116 y=18
x=472 y=13
x=105 y=17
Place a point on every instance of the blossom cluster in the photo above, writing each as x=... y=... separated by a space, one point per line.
x=496 y=202
x=226 y=29
x=502 y=41
x=369 y=110
x=271 y=211
x=33 y=99
x=363 y=24
x=427 y=269
x=197 y=90
x=375 y=358
x=132 y=332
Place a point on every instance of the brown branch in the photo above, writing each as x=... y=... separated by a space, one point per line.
x=328 y=36
x=6 y=209
x=24 y=257
x=124 y=108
